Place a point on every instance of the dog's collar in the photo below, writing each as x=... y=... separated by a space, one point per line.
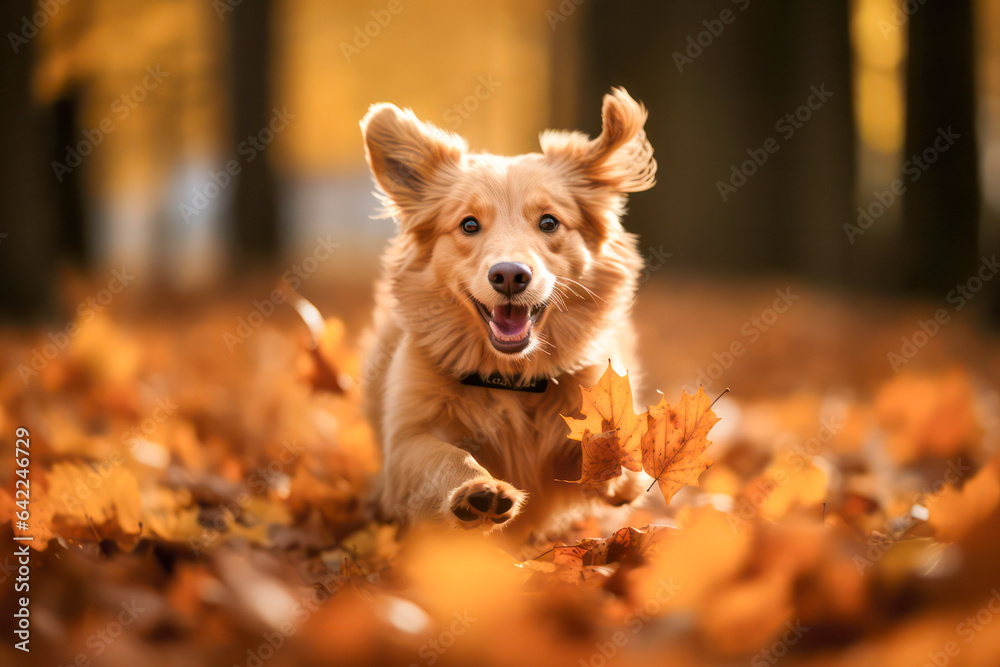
x=498 y=381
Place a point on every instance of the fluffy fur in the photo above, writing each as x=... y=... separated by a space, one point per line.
x=471 y=456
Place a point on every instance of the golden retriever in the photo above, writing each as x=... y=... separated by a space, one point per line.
x=508 y=286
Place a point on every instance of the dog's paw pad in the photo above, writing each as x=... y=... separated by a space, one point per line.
x=480 y=503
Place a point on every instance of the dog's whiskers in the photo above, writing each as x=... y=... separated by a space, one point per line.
x=558 y=299
x=542 y=344
x=569 y=290
x=583 y=287
x=564 y=292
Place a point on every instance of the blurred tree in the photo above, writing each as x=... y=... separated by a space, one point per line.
x=941 y=208
x=255 y=208
x=720 y=81
x=27 y=236
x=69 y=192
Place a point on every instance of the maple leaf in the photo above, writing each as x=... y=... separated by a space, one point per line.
x=610 y=431
x=673 y=446
x=75 y=506
x=581 y=562
x=625 y=543
x=602 y=457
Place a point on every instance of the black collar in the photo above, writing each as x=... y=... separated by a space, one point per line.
x=498 y=381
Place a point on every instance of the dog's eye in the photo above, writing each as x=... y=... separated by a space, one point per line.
x=548 y=223
x=470 y=225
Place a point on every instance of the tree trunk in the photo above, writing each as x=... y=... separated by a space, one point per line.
x=27 y=188
x=719 y=81
x=941 y=208
x=255 y=207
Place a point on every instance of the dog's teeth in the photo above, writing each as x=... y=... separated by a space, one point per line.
x=509 y=338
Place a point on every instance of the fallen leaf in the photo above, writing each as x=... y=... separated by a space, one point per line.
x=87 y=501
x=927 y=415
x=624 y=543
x=607 y=407
x=706 y=551
x=587 y=560
x=673 y=446
x=785 y=485
x=954 y=512
x=602 y=457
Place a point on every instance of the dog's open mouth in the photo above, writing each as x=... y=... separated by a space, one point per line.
x=510 y=324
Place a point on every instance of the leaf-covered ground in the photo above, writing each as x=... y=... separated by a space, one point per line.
x=197 y=498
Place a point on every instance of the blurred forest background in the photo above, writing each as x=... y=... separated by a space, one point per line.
x=105 y=163
x=198 y=458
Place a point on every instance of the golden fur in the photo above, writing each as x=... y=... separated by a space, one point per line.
x=448 y=446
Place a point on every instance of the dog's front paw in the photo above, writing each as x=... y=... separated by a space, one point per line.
x=484 y=503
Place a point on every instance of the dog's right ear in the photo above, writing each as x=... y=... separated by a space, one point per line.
x=409 y=159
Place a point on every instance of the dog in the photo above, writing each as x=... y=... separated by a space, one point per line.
x=509 y=285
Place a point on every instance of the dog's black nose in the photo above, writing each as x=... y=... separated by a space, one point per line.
x=510 y=277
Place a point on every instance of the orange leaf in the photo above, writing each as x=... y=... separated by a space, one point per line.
x=602 y=457
x=607 y=409
x=673 y=446
x=955 y=512
x=625 y=543
x=571 y=556
x=581 y=562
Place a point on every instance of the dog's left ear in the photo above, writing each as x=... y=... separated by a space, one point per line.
x=620 y=160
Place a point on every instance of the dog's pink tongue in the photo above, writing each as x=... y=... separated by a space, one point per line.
x=510 y=320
